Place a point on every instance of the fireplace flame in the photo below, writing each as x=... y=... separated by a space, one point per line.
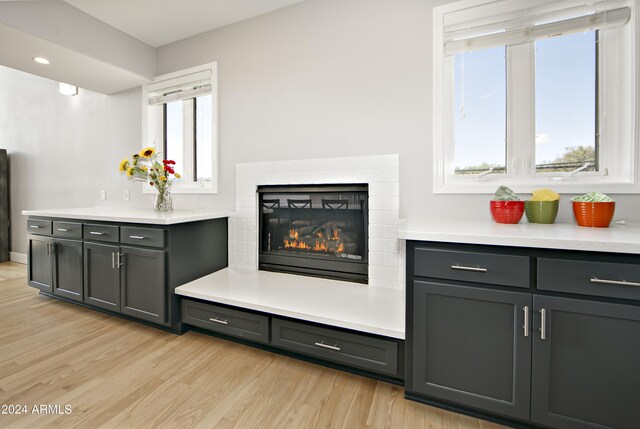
x=320 y=243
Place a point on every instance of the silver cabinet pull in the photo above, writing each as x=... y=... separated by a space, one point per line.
x=327 y=346
x=543 y=324
x=113 y=260
x=48 y=249
x=525 y=327
x=222 y=322
x=63 y=229
x=118 y=261
x=96 y=233
x=463 y=268
x=34 y=226
x=137 y=237
x=614 y=282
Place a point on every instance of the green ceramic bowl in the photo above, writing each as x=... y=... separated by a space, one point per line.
x=541 y=211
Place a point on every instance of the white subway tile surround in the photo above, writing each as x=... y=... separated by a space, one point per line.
x=381 y=173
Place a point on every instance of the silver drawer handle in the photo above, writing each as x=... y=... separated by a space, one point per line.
x=137 y=237
x=543 y=324
x=63 y=229
x=525 y=327
x=327 y=346
x=474 y=269
x=222 y=322
x=614 y=282
x=34 y=226
x=96 y=233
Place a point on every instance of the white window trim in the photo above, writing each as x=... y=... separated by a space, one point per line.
x=517 y=128
x=152 y=132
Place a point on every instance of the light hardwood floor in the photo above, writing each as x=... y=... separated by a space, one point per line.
x=116 y=373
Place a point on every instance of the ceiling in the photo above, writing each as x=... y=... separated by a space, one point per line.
x=159 y=22
x=108 y=46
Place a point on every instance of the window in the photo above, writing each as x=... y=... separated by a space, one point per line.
x=181 y=122
x=529 y=93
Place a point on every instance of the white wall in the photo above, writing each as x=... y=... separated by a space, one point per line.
x=64 y=150
x=318 y=79
x=334 y=78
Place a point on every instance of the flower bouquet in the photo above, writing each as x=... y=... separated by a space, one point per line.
x=146 y=166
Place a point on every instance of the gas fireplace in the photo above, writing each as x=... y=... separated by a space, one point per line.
x=315 y=230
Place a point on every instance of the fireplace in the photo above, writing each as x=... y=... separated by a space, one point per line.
x=315 y=230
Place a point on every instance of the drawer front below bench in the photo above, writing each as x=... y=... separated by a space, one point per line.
x=224 y=320
x=361 y=351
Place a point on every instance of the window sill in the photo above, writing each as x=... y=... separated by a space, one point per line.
x=562 y=186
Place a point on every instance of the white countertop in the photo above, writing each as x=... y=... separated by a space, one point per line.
x=131 y=215
x=616 y=238
x=375 y=310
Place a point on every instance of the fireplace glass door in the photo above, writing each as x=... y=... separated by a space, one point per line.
x=318 y=230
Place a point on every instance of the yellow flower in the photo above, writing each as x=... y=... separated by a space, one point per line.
x=147 y=152
x=143 y=168
x=177 y=175
x=163 y=179
x=130 y=171
x=124 y=164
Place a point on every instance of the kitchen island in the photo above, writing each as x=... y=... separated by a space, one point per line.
x=126 y=262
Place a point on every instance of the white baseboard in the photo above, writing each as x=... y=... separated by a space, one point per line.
x=20 y=258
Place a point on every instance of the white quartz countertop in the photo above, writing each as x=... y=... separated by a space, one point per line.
x=375 y=310
x=616 y=238
x=131 y=215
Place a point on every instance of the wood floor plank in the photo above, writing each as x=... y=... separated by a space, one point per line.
x=115 y=373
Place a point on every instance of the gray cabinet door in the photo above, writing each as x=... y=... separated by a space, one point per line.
x=143 y=288
x=586 y=371
x=470 y=347
x=67 y=269
x=40 y=263
x=101 y=277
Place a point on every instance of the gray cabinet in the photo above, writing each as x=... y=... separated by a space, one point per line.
x=224 y=320
x=55 y=266
x=128 y=280
x=356 y=350
x=67 y=268
x=471 y=346
x=101 y=276
x=585 y=371
x=143 y=283
x=40 y=263
x=127 y=269
x=562 y=354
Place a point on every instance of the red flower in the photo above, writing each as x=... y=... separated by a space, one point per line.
x=168 y=162
x=169 y=170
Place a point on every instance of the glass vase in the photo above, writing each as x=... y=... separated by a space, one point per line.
x=163 y=201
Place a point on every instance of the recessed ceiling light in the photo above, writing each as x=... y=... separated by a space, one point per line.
x=41 y=60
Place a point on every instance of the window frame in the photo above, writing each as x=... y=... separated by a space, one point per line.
x=153 y=131
x=619 y=163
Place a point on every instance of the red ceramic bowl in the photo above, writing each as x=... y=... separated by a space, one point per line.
x=596 y=215
x=506 y=211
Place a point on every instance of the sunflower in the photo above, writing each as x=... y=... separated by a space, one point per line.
x=163 y=179
x=143 y=168
x=130 y=171
x=147 y=152
x=124 y=164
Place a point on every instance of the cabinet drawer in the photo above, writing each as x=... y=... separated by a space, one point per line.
x=39 y=227
x=373 y=354
x=591 y=278
x=491 y=268
x=142 y=236
x=96 y=232
x=67 y=229
x=225 y=320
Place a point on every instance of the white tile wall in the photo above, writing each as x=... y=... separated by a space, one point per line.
x=381 y=173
